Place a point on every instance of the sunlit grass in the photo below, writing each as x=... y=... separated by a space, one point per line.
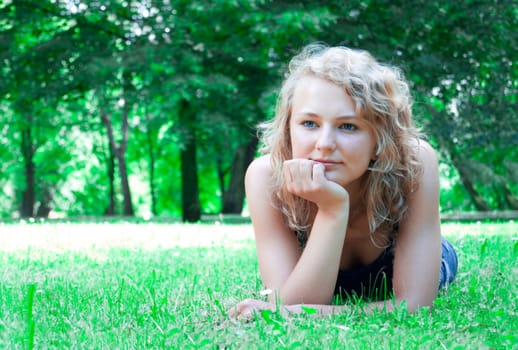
x=169 y=286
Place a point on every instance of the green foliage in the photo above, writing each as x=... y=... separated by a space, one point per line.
x=64 y=62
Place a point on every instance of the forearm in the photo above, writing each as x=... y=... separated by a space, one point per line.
x=313 y=279
x=325 y=309
x=367 y=308
x=247 y=308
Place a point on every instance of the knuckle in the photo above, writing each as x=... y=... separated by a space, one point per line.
x=247 y=302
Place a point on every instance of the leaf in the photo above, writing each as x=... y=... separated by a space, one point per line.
x=483 y=248
x=267 y=316
x=309 y=310
x=271 y=318
x=402 y=311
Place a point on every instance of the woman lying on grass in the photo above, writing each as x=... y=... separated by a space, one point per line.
x=344 y=201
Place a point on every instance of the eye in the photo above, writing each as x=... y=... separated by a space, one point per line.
x=309 y=124
x=348 y=127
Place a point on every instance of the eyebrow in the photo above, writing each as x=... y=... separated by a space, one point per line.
x=316 y=115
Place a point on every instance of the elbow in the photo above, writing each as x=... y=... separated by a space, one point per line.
x=409 y=305
x=415 y=297
x=413 y=303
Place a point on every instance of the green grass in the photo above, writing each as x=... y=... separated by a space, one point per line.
x=135 y=286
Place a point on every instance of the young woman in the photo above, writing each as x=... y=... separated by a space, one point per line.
x=344 y=201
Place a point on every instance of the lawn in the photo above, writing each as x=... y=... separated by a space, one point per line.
x=135 y=286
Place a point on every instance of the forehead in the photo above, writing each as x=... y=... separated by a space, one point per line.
x=316 y=95
x=313 y=81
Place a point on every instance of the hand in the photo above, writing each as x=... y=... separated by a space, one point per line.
x=248 y=307
x=306 y=178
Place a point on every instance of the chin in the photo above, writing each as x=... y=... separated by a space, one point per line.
x=336 y=179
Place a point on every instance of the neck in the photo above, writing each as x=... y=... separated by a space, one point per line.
x=356 y=200
x=356 y=194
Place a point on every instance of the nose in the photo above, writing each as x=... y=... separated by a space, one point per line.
x=326 y=139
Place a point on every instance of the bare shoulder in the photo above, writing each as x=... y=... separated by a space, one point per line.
x=258 y=180
x=427 y=156
x=425 y=152
x=266 y=217
x=424 y=202
x=258 y=177
x=260 y=167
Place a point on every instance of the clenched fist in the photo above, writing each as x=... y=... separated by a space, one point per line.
x=307 y=179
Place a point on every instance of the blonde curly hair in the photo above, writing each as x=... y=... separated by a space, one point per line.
x=381 y=96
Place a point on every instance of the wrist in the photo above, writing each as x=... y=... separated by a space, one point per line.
x=340 y=202
x=336 y=210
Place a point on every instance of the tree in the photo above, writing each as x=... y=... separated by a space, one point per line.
x=458 y=55
x=176 y=88
x=32 y=46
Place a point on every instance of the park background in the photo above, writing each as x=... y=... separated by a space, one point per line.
x=148 y=108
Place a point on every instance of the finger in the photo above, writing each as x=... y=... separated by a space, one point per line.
x=290 y=173
x=306 y=172
x=301 y=173
x=232 y=312
x=319 y=174
x=287 y=172
x=248 y=313
x=298 y=175
x=238 y=309
x=243 y=308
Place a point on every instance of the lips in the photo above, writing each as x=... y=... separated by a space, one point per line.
x=327 y=163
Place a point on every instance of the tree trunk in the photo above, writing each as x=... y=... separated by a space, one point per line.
x=222 y=170
x=510 y=199
x=126 y=191
x=28 y=194
x=110 y=210
x=151 y=155
x=190 y=193
x=119 y=150
x=476 y=198
x=447 y=145
x=191 y=211
x=234 y=195
x=44 y=207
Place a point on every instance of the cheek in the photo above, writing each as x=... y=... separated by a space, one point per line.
x=298 y=143
x=360 y=148
x=296 y=151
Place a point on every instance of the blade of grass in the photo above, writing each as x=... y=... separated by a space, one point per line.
x=31 y=290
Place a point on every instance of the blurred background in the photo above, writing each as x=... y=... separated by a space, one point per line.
x=147 y=108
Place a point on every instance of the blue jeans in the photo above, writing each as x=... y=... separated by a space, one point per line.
x=449 y=264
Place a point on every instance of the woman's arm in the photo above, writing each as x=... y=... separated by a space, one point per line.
x=417 y=256
x=248 y=307
x=298 y=277
x=277 y=248
x=418 y=250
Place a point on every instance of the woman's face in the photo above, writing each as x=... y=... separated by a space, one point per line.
x=325 y=128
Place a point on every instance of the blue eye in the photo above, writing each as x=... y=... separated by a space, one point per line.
x=309 y=124
x=348 y=127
